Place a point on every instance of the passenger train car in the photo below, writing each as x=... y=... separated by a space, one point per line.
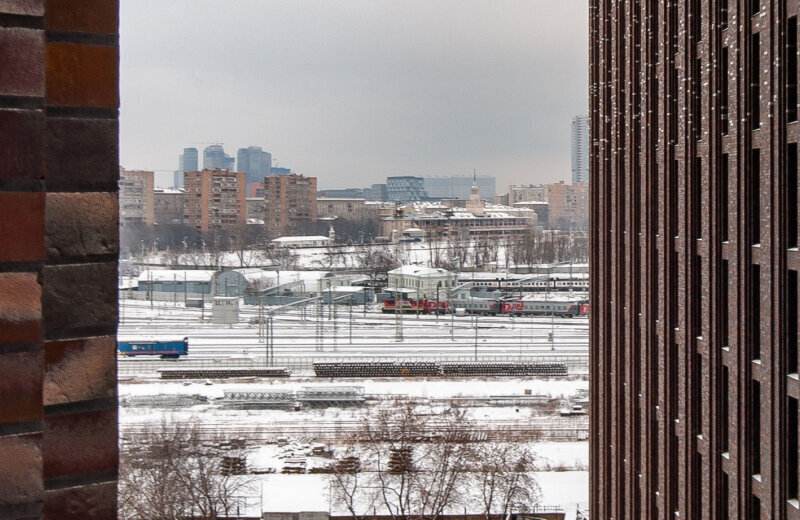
x=562 y=307
x=167 y=349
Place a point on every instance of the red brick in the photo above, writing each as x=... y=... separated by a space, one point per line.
x=21 y=470
x=78 y=298
x=80 y=443
x=20 y=308
x=80 y=224
x=24 y=7
x=22 y=62
x=82 y=154
x=93 y=16
x=90 y=502
x=23 y=138
x=21 y=379
x=80 y=370
x=21 y=226
x=82 y=75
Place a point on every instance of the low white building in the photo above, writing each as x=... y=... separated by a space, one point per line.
x=414 y=281
x=312 y=241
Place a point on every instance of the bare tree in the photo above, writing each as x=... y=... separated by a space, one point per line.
x=416 y=464
x=168 y=475
x=502 y=473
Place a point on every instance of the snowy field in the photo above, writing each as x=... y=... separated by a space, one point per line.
x=301 y=336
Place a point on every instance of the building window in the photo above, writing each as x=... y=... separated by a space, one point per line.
x=791 y=322
x=753 y=198
x=754 y=430
x=755 y=80
x=791 y=69
x=792 y=214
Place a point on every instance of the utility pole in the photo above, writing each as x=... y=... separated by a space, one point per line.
x=476 y=337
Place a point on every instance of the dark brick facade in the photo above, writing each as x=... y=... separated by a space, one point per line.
x=694 y=273
x=59 y=101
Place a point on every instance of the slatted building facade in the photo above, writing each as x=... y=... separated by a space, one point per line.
x=694 y=349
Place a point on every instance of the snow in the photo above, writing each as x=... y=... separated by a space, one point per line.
x=162 y=275
x=430 y=388
x=295 y=493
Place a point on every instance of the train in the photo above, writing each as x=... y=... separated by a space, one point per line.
x=167 y=349
x=562 y=307
x=562 y=282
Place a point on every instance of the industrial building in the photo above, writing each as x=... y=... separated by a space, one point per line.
x=175 y=281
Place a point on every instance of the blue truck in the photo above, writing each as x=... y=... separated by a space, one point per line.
x=167 y=349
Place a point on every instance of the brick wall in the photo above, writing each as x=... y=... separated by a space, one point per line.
x=58 y=258
x=694 y=272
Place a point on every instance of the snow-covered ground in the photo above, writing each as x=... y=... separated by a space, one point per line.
x=302 y=336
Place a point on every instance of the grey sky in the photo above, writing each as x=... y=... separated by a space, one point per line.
x=352 y=91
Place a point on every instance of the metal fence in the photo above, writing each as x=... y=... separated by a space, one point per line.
x=576 y=363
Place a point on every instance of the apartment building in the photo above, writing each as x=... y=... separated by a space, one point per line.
x=290 y=204
x=214 y=199
x=136 y=205
x=168 y=206
x=568 y=206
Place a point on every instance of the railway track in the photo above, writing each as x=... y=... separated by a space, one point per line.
x=573 y=429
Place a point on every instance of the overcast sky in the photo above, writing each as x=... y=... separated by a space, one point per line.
x=353 y=91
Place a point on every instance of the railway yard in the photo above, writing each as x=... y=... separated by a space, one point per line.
x=546 y=410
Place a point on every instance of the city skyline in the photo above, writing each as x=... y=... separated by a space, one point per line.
x=356 y=92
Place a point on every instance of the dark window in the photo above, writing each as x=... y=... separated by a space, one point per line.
x=791 y=69
x=724 y=502
x=791 y=449
x=754 y=316
x=724 y=309
x=753 y=199
x=697 y=486
x=755 y=7
x=755 y=80
x=754 y=432
x=791 y=195
x=724 y=92
x=723 y=13
x=695 y=191
x=755 y=508
x=697 y=99
x=791 y=322
x=724 y=411
x=723 y=197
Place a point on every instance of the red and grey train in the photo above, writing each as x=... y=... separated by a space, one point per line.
x=565 y=308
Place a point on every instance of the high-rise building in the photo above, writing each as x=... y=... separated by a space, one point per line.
x=580 y=149
x=255 y=163
x=405 y=189
x=214 y=199
x=187 y=162
x=458 y=186
x=290 y=204
x=215 y=158
x=136 y=197
x=694 y=332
